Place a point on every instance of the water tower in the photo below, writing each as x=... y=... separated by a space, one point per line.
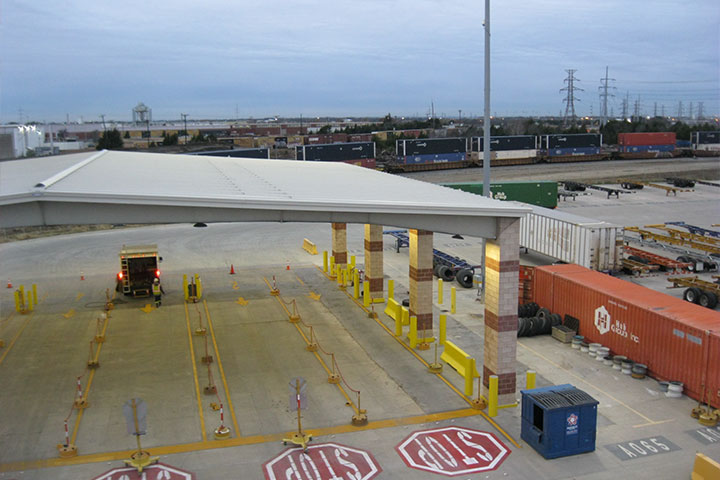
x=142 y=114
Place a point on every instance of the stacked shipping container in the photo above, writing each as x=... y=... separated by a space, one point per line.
x=571 y=144
x=677 y=340
x=359 y=153
x=705 y=141
x=647 y=142
x=431 y=150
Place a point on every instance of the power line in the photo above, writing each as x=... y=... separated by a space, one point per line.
x=570 y=98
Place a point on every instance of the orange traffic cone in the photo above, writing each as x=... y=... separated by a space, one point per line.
x=9 y=284
x=82 y=276
x=232 y=269
x=288 y=267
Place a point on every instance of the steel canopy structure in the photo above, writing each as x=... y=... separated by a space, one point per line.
x=150 y=188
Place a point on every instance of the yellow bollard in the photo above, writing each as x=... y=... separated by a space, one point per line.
x=352 y=261
x=391 y=289
x=29 y=301
x=198 y=285
x=398 y=325
x=185 y=287
x=441 y=291
x=325 y=261
x=405 y=316
x=469 y=379
x=22 y=293
x=18 y=303
x=338 y=274
x=366 y=293
x=442 y=329
x=34 y=290
x=356 y=284
x=493 y=396
x=412 y=335
x=452 y=300
x=530 y=380
x=332 y=267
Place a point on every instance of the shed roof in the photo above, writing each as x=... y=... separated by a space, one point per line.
x=135 y=187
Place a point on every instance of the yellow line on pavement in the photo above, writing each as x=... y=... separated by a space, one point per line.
x=422 y=360
x=17 y=335
x=195 y=374
x=87 y=387
x=350 y=402
x=234 y=442
x=220 y=367
x=581 y=379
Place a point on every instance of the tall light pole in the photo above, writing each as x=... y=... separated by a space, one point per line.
x=486 y=129
x=184 y=116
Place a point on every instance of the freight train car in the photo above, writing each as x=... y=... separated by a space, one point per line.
x=429 y=154
x=357 y=153
x=239 y=152
x=578 y=147
x=677 y=340
x=705 y=144
x=505 y=150
x=646 y=145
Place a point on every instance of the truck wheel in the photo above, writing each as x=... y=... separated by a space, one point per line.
x=542 y=313
x=465 y=278
x=692 y=294
x=708 y=299
x=446 y=273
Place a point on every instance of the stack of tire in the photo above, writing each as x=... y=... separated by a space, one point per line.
x=533 y=320
x=464 y=276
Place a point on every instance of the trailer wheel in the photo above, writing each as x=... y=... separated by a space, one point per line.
x=446 y=273
x=465 y=278
x=708 y=299
x=692 y=294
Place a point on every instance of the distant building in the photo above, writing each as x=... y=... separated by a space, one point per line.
x=18 y=141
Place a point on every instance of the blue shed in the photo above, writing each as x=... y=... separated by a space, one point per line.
x=559 y=420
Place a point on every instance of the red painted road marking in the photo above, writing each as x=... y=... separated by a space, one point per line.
x=325 y=461
x=158 y=471
x=452 y=451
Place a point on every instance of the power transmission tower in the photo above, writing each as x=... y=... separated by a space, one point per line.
x=185 y=132
x=680 y=110
x=662 y=110
x=625 y=105
x=655 y=110
x=691 y=110
x=570 y=98
x=103 y=122
x=636 y=111
x=604 y=86
x=700 y=111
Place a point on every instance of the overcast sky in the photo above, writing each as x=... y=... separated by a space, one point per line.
x=213 y=58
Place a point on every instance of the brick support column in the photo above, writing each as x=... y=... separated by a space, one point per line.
x=421 y=278
x=501 y=292
x=374 y=260
x=339 y=243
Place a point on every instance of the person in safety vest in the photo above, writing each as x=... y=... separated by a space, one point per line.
x=157 y=291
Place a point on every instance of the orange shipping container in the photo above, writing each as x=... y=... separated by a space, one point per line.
x=677 y=340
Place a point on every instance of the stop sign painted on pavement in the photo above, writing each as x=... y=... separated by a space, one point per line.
x=325 y=461
x=452 y=451
x=158 y=471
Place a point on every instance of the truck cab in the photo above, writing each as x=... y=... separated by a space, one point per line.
x=139 y=267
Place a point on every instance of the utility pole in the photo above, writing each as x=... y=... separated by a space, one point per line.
x=604 y=86
x=486 y=121
x=570 y=98
x=184 y=117
x=432 y=114
x=103 y=122
x=459 y=115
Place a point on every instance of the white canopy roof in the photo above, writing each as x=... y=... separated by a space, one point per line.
x=134 y=187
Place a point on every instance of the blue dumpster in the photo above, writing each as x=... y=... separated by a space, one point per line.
x=559 y=420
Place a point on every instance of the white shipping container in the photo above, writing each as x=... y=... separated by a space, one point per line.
x=505 y=154
x=708 y=146
x=573 y=239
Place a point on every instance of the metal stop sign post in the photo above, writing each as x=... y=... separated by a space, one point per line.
x=326 y=461
x=452 y=451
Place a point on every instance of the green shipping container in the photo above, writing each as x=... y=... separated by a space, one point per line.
x=543 y=194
